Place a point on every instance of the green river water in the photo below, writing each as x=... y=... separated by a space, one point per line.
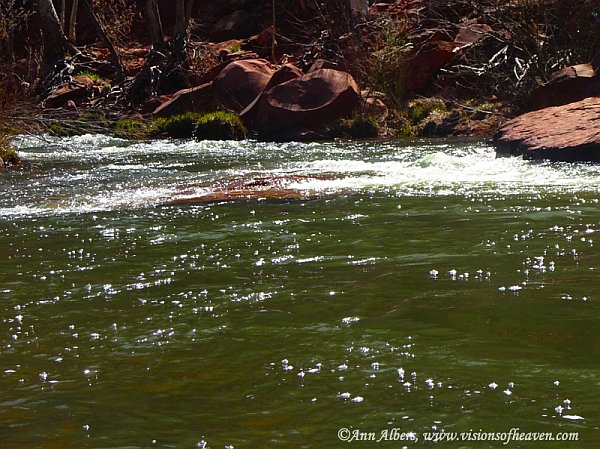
x=421 y=286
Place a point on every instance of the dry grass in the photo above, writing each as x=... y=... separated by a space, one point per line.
x=386 y=65
x=117 y=17
x=530 y=40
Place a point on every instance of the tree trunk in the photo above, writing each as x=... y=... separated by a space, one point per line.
x=63 y=14
x=73 y=22
x=10 y=51
x=156 y=31
x=55 y=42
x=188 y=12
x=274 y=35
x=183 y=13
x=114 y=55
x=176 y=69
x=179 y=17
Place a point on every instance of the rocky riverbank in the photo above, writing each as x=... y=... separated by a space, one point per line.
x=313 y=71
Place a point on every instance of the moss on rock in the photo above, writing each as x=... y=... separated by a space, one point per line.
x=359 y=127
x=421 y=108
x=180 y=126
x=129 y=128
x=213 y=126
x=220 y=126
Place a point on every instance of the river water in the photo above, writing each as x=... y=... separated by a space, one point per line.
x=423 y=286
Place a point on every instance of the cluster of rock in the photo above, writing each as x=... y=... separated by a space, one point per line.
x=299 y=101
x=281 y=103
x=277 y=104
x=290 y=101
x=565 y=122
x=289 y=104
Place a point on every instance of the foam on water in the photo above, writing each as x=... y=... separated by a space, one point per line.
x=93 y=173
x=476 y=169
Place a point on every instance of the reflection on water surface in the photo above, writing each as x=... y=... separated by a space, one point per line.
x=425 y=286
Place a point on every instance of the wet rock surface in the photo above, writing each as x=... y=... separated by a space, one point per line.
x=271 y=188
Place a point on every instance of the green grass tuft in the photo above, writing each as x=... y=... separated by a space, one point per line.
x=59 y=130
x=220 y=126
x=213 y=126
x=421 y=108
x=177 y=126
x=129 y=128
x=406 y=129
x=89 y=74
x=234 y=48
x=86 y=123
x=390 y=60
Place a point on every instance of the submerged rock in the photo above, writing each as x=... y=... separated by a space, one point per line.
x=562 y=133
x=271 y=188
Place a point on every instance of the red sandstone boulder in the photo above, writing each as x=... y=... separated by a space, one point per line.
x=471 y=33
x=324 y=64
x=562 y=133
x=435 y=49
x=569 y=85
x=283 y=74
x=234 y=86
x=240 y=82
x=428 y=60
x=301 y=105
x=195 y=99
x=261 y=43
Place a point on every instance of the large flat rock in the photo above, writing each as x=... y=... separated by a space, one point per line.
x=562 y=133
